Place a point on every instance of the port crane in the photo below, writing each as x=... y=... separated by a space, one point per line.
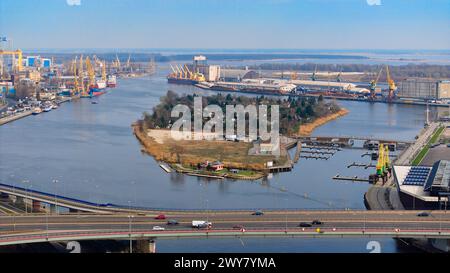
x=313 y=76
x=80 y=77
x=90 y=71
x=338 y=77
x=373 y=84
x=116 y=63
x=103 y=71
x=391 y=84
x=76 y=86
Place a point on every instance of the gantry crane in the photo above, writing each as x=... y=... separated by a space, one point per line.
x=391 y=84
x=373 y=85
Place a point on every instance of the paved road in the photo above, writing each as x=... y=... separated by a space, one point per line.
x=226 y=220
x=408 y=155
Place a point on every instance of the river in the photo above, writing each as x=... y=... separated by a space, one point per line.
x=91 y=151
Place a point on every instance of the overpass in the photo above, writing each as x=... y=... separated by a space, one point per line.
x=36 y=228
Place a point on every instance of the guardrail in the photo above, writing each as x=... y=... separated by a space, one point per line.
x=46 y=236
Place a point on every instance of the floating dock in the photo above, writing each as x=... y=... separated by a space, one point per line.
x=350 y=178
x=365 y=166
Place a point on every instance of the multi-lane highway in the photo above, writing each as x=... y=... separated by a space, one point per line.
x=43 y=227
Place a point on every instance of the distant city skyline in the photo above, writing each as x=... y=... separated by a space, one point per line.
x=227 y=24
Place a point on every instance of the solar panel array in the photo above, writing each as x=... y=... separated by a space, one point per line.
x=417 y=176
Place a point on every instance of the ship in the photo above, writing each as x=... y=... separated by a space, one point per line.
x=47 y=108
x=176 y=80
x=95 y=92
x=37 y=110
x=100 y=84
x=111 y=81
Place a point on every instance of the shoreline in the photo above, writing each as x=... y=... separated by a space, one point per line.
x=150 y=148
x=308 y=128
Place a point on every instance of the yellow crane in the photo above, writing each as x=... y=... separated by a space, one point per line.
x=90 y=71
x=19 y=54
x=373 y=84
x=391 y=84
x=189 y=73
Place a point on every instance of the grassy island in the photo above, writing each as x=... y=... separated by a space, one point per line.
x=238 y=159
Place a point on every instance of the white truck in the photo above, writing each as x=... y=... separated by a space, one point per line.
x=201 y=224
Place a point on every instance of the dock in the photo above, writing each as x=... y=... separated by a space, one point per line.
x=350 y=178
x=15 y=117
x=205 y=175
x=365 y=166
x=298 y=150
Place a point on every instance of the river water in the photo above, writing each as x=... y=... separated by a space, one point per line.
x=91 y=151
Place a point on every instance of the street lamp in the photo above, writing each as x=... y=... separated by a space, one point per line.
x=130 y=217
x=55 y=181
x=25 y=181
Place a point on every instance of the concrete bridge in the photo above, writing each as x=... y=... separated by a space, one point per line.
x=38 y=228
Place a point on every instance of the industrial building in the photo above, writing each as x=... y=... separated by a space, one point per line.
x=424 y=89
x=38 y=61
x=200 y=65
x=423 y=187
x=237 y=75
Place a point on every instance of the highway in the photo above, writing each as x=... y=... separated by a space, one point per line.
x=42 y=227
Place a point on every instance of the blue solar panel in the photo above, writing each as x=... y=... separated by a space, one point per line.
x=417 y=176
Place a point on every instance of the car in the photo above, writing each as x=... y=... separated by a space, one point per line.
x=423 y=214
x=158 y=228
x=160 y=217
x=448 y=145
x=316 y=222
x=303 y=224
x=258 y=212
x=172 y=222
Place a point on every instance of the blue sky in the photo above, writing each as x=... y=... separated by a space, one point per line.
x=321 y=24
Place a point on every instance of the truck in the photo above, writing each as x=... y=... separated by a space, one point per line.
x=201 y=224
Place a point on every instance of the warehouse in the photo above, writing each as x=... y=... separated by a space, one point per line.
x=237 y=75
x=424 y=89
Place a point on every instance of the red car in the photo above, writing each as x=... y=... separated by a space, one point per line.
x=160 y=217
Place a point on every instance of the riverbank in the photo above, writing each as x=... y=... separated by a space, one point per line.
x=185 y=156
x=308 y=128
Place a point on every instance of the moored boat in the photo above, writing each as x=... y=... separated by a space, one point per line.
x=37 y=111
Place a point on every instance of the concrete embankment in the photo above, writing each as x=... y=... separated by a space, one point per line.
x=15 y=117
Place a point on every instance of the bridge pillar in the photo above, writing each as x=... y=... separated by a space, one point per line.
x=36 y=206
x=145 y=246
x=53 y=208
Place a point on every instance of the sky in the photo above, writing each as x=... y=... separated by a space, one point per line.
x=243 y=24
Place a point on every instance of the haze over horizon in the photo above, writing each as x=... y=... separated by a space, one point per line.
x=234 y=24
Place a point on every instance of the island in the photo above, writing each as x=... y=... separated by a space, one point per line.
x=230 y=157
